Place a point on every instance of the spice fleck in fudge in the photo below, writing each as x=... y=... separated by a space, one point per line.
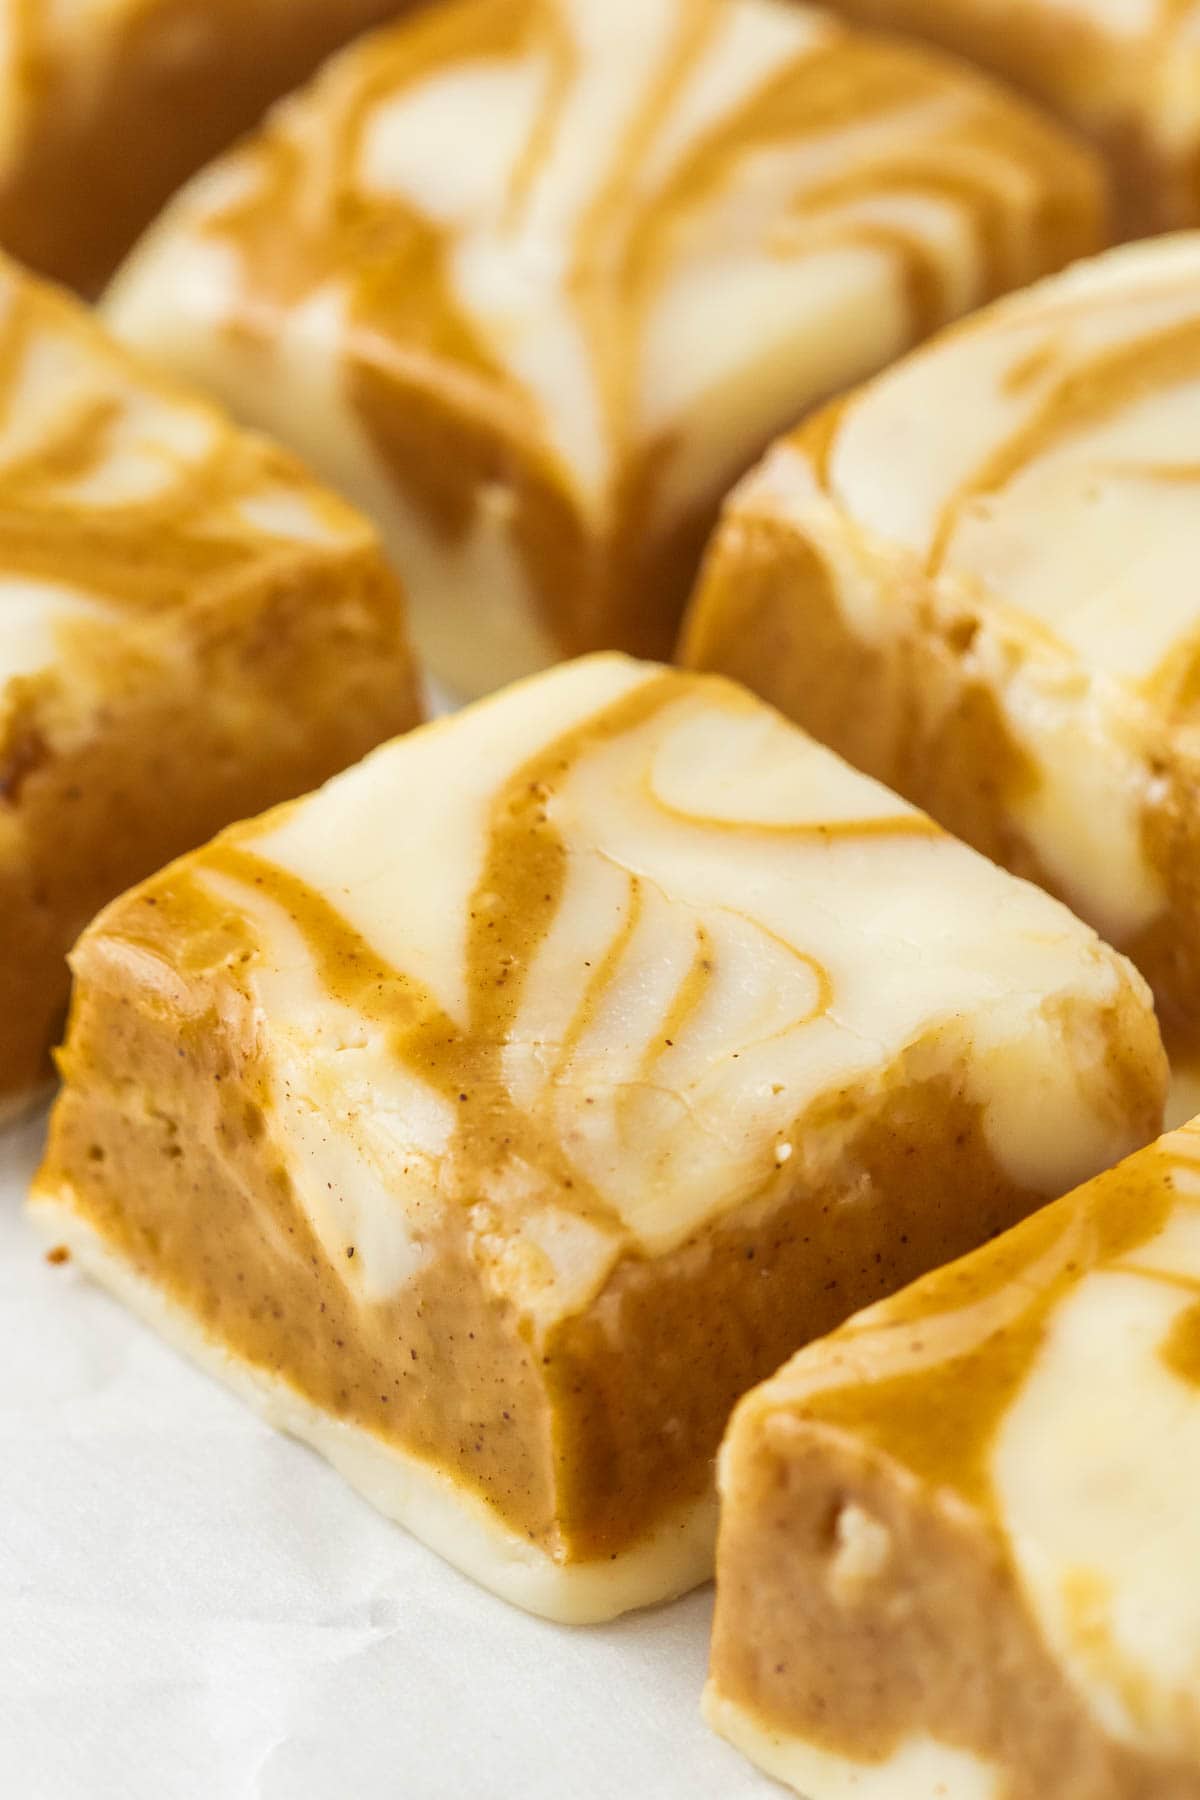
x=535 y=280
x=191 y=628
x=499 y=1114
x=958 y=1537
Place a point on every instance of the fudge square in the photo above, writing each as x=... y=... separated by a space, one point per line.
x=108 y=105
x=497 y=1115
x=1127 y=75
x=535 y=280
x=191 y=628
x=975 y=578
x=958 y=1537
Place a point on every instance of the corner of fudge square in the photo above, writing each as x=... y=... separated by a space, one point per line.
x=952 y=1532
x=191 y=629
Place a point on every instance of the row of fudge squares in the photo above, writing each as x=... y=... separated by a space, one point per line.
x=496 y=1117
x=972 y=577
x=501 y=1114
x=536 y=352
x=196 y=630
x=540 y=368
x=109 y=108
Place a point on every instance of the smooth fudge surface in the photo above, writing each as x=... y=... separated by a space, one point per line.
x=512 y=1104
x=1126 y=72
x=191 y=628
x=107 y=106
x=535 y=280
x=958 y=1537
x=974 y=577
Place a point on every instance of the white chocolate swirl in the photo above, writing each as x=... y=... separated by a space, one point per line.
x=107 y=106
x=1051 y=1384
x=655 y=926
x=122 y=496
x=1000 y=534
x=536 y=281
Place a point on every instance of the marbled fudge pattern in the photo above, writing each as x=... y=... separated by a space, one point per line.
x=958 y=1536
x=107 y=106
x=535 y=280
x=975 y=577
x=190 y=628
x=1127 y=72
x=519 y=1099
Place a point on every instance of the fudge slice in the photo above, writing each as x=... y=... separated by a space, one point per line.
x=496 y=1116
x=975 y=578
x=107 y=108
x=535 y=280
x=1127 y=75
x=958 y=1538
x=190 y=629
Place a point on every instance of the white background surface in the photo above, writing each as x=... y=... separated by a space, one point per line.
x=195 y=1608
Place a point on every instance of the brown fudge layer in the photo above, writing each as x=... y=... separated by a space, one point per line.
x=190 y=629
x=955 y=1535
x=974 y=577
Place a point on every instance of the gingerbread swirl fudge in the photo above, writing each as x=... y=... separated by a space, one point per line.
x=107 y=106
x=1128 y=74
x=958 y=1538
x=496 y=1116
x=535 y=280
x=190 y=629
x=975 y=578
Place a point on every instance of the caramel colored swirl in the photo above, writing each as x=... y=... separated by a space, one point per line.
x=1062 y=485
x=1129 y=75
x=537 y=279
x=106 y=106
x=523 y=1096
x=974 y=577
x=190 y=628
x=623 y=983
x=1041 y=1399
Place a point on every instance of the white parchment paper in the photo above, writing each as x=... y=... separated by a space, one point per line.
x=195 y=1608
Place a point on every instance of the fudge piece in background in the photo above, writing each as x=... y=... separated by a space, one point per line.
x=105 y=109
x=975 y=577
x=191 y=628
x=534 y=280
x=957 y=1536
x=1128 y=75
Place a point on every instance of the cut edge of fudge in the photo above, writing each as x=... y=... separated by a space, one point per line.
x=440 y=1513
x=922 y=1575
x=922 y=1769
x=940 y=682
x=506 y=511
